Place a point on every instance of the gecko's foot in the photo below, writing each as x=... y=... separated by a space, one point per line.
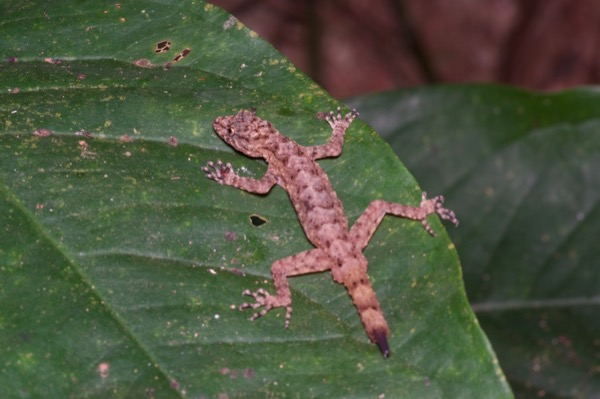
x=263 y=298
x=436 y=205
x=336 y=119
x=218 y=172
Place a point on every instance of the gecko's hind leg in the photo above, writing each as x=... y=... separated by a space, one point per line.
x=364 y=227
x=312 y=261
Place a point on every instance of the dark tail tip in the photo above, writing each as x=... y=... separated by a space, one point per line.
x=382 y=343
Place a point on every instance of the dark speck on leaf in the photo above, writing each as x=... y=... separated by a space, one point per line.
x=257 y=220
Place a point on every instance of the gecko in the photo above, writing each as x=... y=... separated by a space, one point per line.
x=338 y=248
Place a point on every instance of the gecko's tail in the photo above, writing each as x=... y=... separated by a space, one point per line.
x=370 y=313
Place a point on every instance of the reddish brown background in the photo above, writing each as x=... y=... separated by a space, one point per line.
x=358 y=46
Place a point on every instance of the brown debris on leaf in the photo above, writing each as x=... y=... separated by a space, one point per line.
x=43 y=132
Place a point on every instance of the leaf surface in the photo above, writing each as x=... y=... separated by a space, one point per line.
x=522 y=171
x=122 y=265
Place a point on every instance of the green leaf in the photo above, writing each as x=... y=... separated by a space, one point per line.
x=122 y=266
x=522 y=171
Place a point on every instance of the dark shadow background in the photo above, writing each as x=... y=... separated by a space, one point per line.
x=353 y=47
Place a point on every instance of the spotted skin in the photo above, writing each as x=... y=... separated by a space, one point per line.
x=338 y=248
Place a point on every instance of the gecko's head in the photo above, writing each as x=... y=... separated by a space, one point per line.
x=245 y=132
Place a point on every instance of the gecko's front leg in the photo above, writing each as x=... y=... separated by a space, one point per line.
x=339 y=125
x=224 y=174
x=220 y=172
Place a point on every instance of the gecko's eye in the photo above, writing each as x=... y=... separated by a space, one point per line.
x=230 y=130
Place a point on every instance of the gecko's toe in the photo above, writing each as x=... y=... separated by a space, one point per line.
x=382 y=342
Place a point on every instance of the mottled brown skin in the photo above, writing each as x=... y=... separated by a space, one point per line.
x=320 y=212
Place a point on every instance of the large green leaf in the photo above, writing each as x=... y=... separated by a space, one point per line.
x=522 y=170
x=122 y=266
